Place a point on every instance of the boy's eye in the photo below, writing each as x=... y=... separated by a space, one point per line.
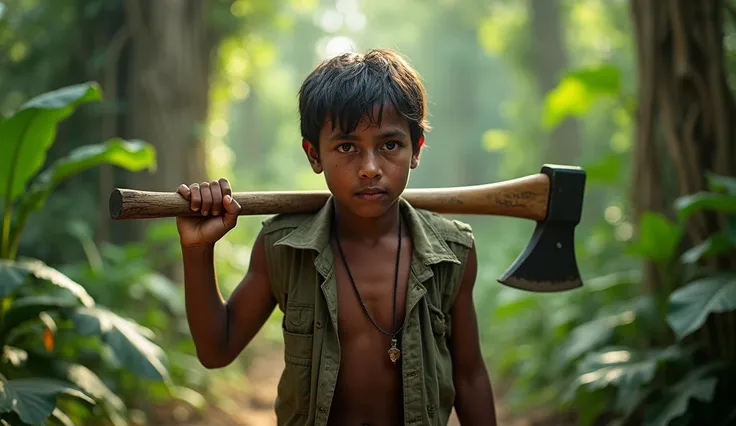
x=345 y=147
x=391 y=145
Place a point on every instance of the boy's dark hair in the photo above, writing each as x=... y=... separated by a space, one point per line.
x=346 y=88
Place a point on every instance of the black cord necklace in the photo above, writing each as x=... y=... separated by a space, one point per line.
x=393 y=352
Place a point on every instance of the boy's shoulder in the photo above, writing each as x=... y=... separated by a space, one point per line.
x=285 y=222
x=450 y=230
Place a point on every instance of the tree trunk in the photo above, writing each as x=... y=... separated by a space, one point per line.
x=684 y=130
x=550 y=63
x=686 y=108
x=168 y=82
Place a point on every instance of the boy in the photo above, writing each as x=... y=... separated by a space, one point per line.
x=379 y=324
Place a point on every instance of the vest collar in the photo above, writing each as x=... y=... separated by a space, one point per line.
x=429 y=246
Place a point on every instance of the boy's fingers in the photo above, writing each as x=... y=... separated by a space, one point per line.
x=184 y=191
x=196 y=198
x=231 y=206
x=216 y=198
x=225 y=185
x=232 y=209
x=204 y=189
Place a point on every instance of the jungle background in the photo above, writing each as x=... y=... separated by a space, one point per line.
x=98 y=94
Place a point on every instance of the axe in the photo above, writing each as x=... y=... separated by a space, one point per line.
x=553 y=198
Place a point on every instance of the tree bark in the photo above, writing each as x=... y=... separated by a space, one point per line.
x=684 y=130
x=686 y=108
x=550 y=63
x=169 y=81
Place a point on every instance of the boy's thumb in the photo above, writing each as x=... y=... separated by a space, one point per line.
x=232 y=208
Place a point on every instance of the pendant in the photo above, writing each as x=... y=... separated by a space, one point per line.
x=394 y=353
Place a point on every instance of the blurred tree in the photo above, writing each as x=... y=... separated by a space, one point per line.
x=157 y=63
x=550 y=62
x=685 y=133
x=686 y=110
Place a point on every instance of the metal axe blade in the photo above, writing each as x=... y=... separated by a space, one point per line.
x=548 y=263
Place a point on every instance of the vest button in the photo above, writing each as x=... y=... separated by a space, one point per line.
x=319 y=324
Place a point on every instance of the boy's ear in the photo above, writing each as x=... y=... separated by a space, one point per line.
x=312 y=156
x=415 y=154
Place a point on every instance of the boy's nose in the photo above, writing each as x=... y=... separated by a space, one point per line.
x=369 y=167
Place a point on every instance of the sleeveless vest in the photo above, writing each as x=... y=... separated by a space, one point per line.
x=300 y=264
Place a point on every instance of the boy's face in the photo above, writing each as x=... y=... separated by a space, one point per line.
x=368 y=169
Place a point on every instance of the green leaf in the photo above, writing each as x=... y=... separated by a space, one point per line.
x=132 y=155
x=658 y=237
x=622 y=367
x=30 y=131
x=81 y=377
x=165 y=291
x=677 y=398
x=718 y=183
x=605 y=170
x=89 y=382
x=35 y=399
x=593 y=334
x=61 y=417
x=44 y=272
x=135 y=351
x=495 y=139
x=11 y=277
x=28 y=308
x=578 y=91
x=716 y=244
x=689 y=204
x=690 y=305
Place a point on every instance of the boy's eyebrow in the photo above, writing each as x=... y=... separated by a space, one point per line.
x=394 y=133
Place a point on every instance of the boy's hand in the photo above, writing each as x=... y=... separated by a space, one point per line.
x=218 y=209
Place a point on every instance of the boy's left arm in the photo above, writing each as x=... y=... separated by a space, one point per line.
x=474 y=403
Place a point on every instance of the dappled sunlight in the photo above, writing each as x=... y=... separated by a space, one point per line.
x=99 y=98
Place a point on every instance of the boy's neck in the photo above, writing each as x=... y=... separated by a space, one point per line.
x=369 y=230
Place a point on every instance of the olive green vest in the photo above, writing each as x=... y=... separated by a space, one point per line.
x=302 y=276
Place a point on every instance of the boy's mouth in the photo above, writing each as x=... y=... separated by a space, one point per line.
x=371 y=193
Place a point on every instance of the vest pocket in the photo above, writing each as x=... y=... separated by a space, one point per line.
x=441 y=387
x=299 y=318
x=439 y=324
x=294 y=385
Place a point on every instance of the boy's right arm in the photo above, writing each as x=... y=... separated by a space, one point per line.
x=220 y=329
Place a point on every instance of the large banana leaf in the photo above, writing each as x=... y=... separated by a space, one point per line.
x=623 y=368
x=61 y=417
x=13 y=274
x=697 y=385
x=658 y=237
x=78 y=375
x=690 y=305
x=29 y=132
x=135 y=352
x=29 y=308
x=593 y=334
x=709 y=201
x=11 y=277
x=35 y=399
x=131 y=155
x=578 y=90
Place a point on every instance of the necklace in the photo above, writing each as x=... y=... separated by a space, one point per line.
x=393 y=352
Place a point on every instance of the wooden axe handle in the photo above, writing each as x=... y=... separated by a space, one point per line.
x=524 y=197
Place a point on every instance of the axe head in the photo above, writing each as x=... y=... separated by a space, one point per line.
x=548 y=262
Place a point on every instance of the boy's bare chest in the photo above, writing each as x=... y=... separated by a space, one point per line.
x=370 y=283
